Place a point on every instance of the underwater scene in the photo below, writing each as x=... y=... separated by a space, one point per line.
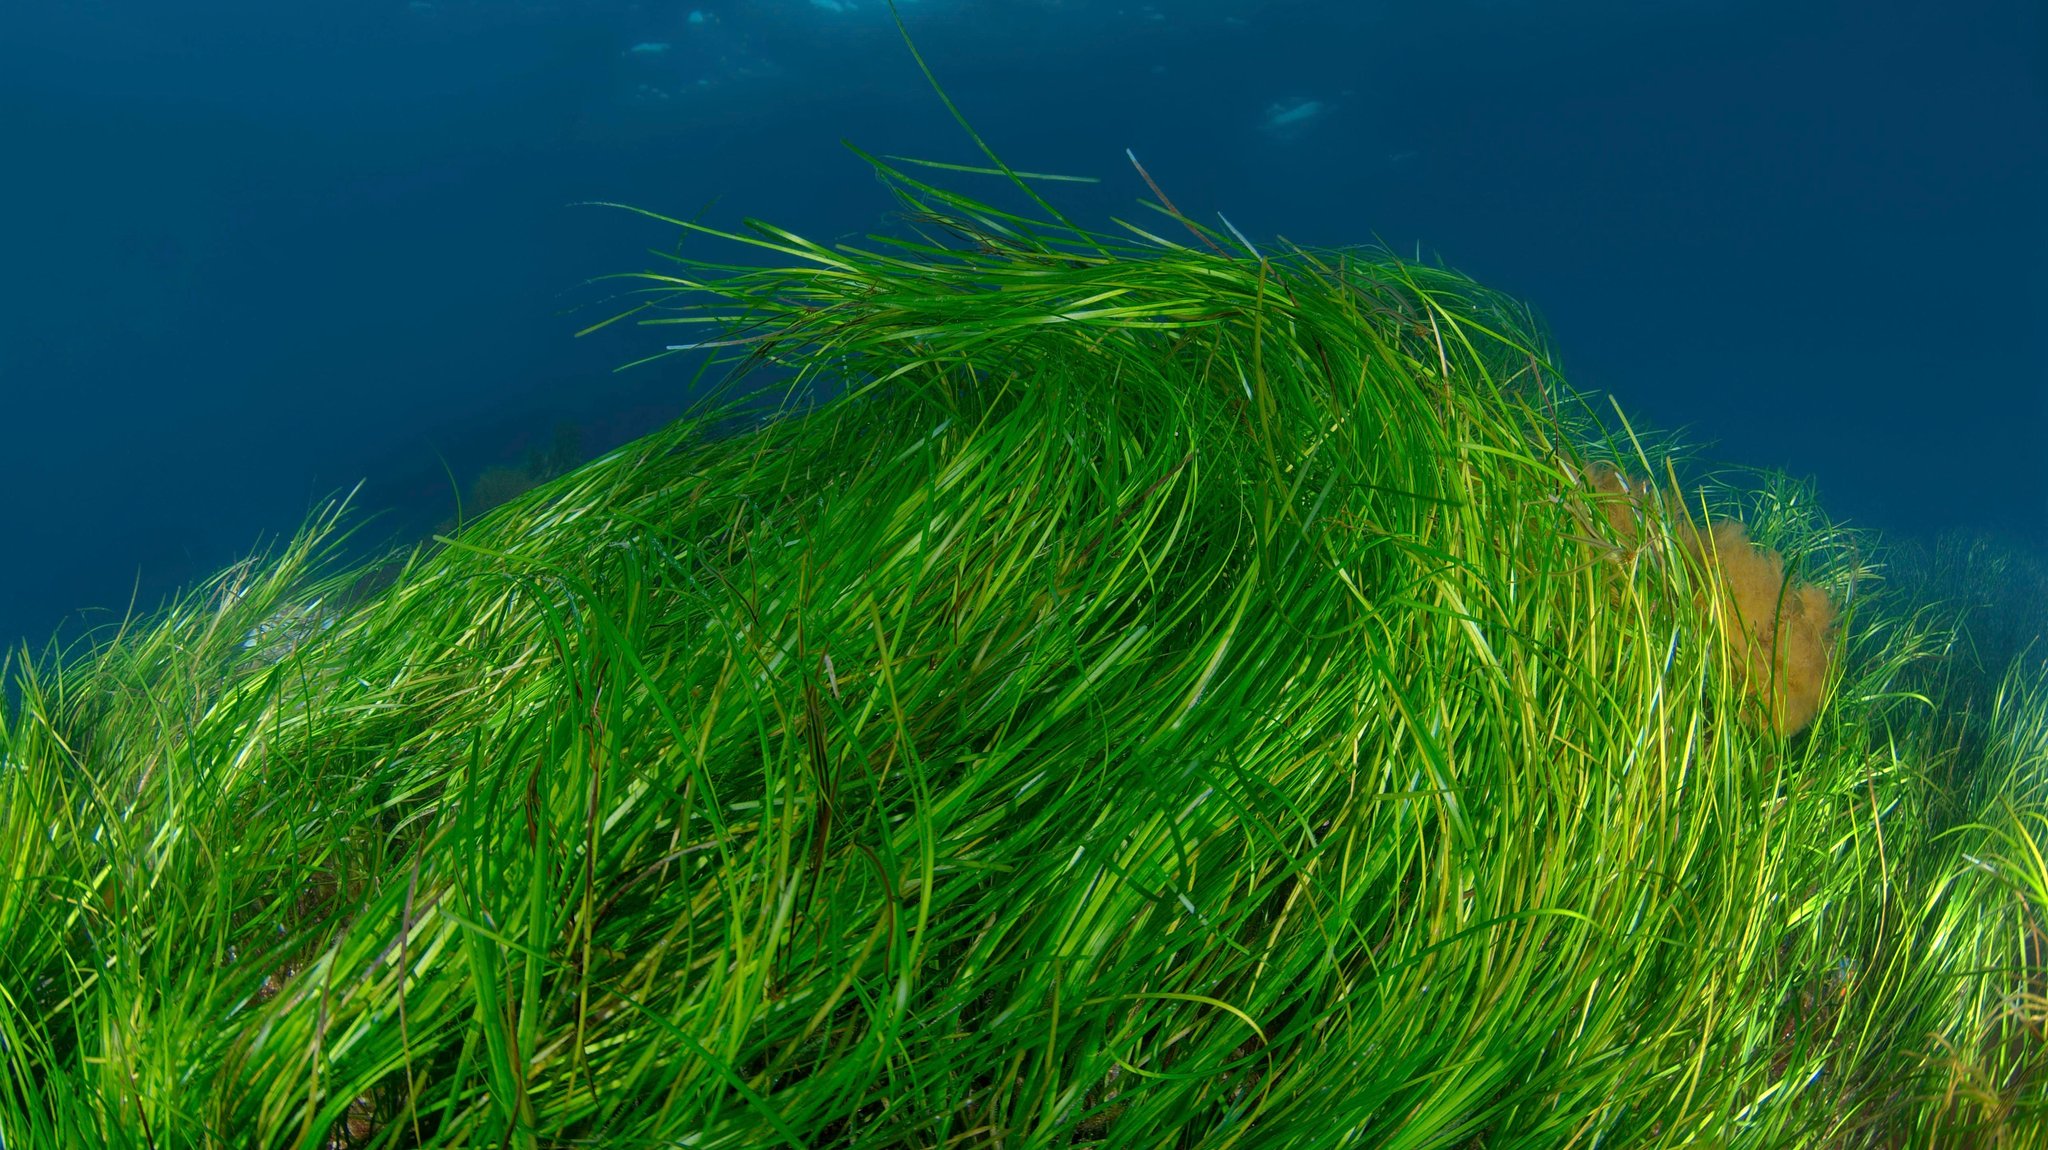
x=1013 y=574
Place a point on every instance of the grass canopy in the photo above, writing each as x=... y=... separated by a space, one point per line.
x=1164 y=694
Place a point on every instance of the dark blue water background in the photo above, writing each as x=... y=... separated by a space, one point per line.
x=254 y=253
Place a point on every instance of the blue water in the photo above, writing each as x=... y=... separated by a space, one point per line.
x=257 y=252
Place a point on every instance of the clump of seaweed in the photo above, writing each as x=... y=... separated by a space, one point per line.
x=1780 y=634
x=1161 y=699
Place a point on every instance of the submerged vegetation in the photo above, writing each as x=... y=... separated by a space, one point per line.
x=1168 y=695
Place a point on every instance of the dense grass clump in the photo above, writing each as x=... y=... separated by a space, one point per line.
x=1165 y=696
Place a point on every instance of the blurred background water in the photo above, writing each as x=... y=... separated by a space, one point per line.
x=257 y=252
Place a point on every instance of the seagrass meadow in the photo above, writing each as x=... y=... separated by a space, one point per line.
x=1154 y=693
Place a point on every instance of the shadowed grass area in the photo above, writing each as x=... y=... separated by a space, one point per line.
x=1164 y=697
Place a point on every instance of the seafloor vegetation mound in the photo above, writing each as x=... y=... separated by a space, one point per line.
x=1160 y=696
